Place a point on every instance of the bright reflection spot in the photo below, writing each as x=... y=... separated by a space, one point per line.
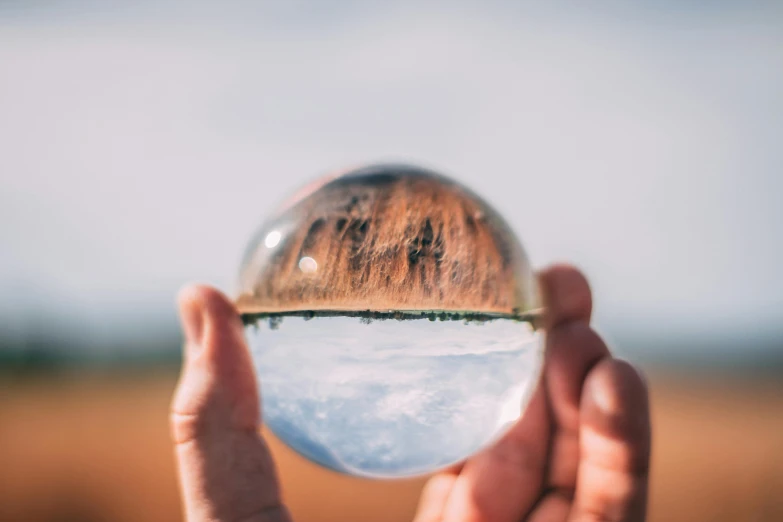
x=308 y=265
x=272 y=239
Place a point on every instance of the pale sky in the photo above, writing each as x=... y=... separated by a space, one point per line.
x=142 y=146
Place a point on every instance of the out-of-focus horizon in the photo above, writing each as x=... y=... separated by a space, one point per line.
x=144 y=144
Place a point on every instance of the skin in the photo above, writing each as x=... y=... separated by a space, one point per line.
x=579 y=454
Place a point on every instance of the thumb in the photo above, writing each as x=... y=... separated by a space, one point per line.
x=225 y=469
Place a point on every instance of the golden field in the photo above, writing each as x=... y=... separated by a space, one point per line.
x=94 y=448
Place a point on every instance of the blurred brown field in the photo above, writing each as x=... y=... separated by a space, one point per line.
x=94 y=448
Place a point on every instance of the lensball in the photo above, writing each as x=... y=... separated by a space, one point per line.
x=391 y=318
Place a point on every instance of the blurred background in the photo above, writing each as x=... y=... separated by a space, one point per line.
x=142 y=143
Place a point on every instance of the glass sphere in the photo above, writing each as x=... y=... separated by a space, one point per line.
x=390 y=315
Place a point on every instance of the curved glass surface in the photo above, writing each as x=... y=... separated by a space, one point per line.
x=390 y=316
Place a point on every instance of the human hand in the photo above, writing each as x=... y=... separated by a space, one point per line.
x=580 y=453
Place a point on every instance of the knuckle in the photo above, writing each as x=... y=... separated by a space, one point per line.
x=185 y=427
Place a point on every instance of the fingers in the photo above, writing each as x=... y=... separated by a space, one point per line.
x=566 y=295
x=600 y=433
x=573 y=349
x=217 y=369
x=614 y=446
x=225 y=469
x=501 y=483
x=504 y=482
x=434 y=497
x=554 y=507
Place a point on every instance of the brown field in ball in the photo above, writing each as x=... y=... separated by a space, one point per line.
x=388 y=238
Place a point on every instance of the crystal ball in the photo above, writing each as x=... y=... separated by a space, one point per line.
x=390 y=313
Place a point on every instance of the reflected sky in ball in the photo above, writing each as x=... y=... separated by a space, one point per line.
x=392 y=398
